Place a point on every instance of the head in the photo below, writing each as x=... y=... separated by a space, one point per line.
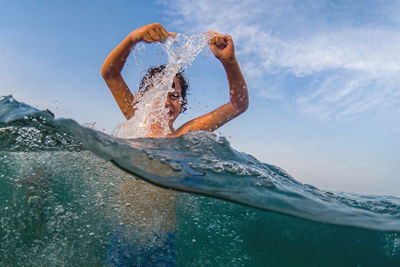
x=176 y=99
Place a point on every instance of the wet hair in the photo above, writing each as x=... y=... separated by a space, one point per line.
x=145 y=85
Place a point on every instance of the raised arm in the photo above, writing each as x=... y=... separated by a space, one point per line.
x=114 y=63
x=223 y=49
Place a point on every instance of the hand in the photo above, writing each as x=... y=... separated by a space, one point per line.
x=222 y=47
x=152 y=33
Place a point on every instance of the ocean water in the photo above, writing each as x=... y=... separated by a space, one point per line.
x=60 y=197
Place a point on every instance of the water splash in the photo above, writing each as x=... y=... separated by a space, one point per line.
x=181 y=52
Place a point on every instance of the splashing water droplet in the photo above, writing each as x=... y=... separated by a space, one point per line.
x=181 y=51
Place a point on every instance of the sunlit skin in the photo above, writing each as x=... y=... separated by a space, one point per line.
x=150 y=201
x=223 y=48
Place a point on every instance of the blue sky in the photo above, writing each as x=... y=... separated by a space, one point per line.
x=323 y=76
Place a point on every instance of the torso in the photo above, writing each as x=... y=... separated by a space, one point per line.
x=148 y=208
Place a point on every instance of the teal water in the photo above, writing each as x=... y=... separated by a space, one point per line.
x=59 y=198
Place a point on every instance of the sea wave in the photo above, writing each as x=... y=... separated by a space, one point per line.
x=59 y=198
x=200 y=163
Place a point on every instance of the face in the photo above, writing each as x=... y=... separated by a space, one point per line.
x=174 y=101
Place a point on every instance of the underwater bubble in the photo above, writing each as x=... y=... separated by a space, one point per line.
x=217 y=169
x=392 y=246
x=207 y=159
x=203 y=167
x=197 y=151
x=222 y=140
x=175 y=166
x=265 y=183
x=254 y=172
x=33 y=200
x=147 y=151
x=59 y=209
x=232 y=169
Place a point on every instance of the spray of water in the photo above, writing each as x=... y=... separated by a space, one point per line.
x=181 y=52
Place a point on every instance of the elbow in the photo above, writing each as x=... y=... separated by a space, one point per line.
x=105 y=72
x=108 y=71
x=242 y=105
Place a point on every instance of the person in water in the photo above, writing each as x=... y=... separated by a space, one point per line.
x=223 y=49
x=156 y=204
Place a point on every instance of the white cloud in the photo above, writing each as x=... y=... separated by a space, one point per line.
x=353 y=50
x=343 y=96
x=272 y=92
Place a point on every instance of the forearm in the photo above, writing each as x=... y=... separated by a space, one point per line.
x=115 y=61
x=237 y=85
